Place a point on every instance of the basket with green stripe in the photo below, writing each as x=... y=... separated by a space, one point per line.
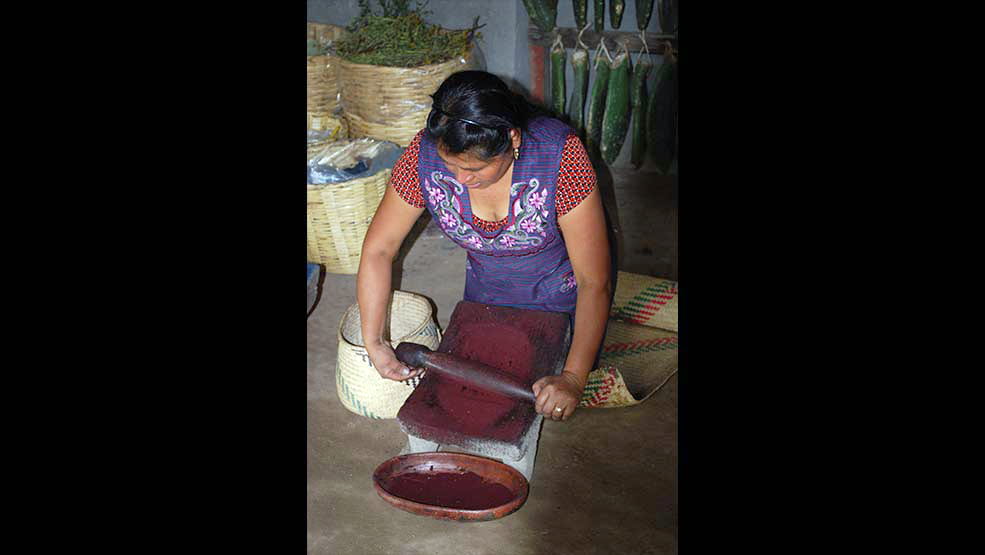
x=635 y=362
x=639 y=351
x=359 y=385
x=645 y=300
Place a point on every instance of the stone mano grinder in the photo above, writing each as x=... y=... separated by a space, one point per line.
x=475 y=373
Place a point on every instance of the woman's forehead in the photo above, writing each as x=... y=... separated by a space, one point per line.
x=466 y=158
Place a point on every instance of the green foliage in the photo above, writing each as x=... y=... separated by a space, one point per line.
x=391 y=8
x=399 y=37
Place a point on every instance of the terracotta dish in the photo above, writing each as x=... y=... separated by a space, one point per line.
x=493 y=488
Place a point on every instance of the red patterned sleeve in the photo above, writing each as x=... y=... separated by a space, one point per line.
x=576 y=177
x=404 y=178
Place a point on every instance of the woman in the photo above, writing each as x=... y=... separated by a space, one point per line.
x=518 y=192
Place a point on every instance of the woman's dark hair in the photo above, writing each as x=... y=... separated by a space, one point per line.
x=473 y=111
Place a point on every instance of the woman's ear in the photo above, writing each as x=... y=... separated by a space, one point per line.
x=515 y=137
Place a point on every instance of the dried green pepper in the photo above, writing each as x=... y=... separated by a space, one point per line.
x=596 y=103
x=615 y=122
x=580 y=7
x=643 y=10
x=637 y=97
x=558 y=91
x=616 y=8
x=660 y=115
x=543 y=13
x=667 y=12
x=576 y=107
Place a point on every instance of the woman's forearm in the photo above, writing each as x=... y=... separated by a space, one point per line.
x=373 y=294
x=390 y=225
x=591 y=317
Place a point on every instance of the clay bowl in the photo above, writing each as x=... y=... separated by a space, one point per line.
x=441 y=462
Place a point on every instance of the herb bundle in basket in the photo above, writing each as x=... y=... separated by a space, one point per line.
x=399 y=37
x=390 y=65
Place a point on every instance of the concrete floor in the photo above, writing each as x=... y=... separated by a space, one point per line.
x=605 y=480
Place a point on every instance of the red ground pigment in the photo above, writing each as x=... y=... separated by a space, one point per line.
x=452 y=490
x=527 y=344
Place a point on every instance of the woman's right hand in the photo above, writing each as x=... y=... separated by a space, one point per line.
x=386 y=363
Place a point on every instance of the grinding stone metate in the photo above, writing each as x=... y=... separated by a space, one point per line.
x=527 y=344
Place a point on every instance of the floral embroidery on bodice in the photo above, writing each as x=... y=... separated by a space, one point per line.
x=524 y=263
x=527 y=224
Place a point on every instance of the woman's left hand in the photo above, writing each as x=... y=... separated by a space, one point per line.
x=558 y=396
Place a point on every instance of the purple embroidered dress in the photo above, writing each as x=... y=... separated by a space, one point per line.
x=525 y=263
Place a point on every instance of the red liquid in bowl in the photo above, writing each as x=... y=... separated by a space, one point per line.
x=453 y=490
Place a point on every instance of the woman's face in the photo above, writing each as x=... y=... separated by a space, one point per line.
x=476 y=173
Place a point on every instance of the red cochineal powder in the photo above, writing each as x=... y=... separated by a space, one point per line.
x=452 y=490
x=527 y=344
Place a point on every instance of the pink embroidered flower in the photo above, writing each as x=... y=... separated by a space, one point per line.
x=507 y=241
x=537 y=200
x=569 y=283
x=475 y=242
x=530 y=226
x=435 y=195
x=447 y=220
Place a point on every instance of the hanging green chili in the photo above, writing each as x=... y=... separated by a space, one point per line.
x=599 y=12
x=660 y=115
x=667 y=13
x=543 y=13
x=643 y=10
x=615 y=122
x=580 y=7
x=576 y=107
x=596 y=100
x=637 y=95
x=558 y=91
x=616 y=8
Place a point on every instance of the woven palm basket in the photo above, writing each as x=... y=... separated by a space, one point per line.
x=639 y=351
x=636 y=361
x=645 y=300
x=359 y=385
x=391 y=103
x=338 y=217
x=323 y=72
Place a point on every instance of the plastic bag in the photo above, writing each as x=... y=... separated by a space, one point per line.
x=339 y=161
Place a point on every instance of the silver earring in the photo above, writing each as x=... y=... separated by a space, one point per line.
x=516 y=153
